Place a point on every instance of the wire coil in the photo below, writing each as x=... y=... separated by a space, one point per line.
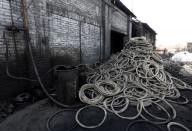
x=135 y=77
x=94 y=126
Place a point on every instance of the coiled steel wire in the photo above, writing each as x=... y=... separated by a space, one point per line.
x=177 y=124
x=134 y=77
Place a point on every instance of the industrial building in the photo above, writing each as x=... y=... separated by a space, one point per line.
x=85 y=65
x=68 y=32
x=143 y=29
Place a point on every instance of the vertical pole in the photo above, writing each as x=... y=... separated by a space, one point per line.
x=25 y=19
x=130 y=27
x=100 y=53
x=13 y=29
x=26 y=36
x=140 y=29
x=103 y=26
x=80 y=59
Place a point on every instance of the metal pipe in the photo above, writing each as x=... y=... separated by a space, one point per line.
x=26 y=27
x=12 y=29
x=104 y=30
x=25 y=19
x=80 y=59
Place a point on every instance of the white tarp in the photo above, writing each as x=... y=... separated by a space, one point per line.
x=182 y=57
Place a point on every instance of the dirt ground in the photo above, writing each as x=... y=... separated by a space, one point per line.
x=33 y=118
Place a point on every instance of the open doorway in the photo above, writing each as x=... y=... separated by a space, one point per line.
x=117 y=42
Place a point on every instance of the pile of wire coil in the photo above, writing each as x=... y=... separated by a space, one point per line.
x=133 y=77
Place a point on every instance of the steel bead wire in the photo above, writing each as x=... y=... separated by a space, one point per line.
x=154 y=116
x=167 y=120
x=108 y=105
x=136 y=77
x=176 y=124
x=100 y=87
x=128 y=128
x=127 y=117
x=168 y=79
x=94 y=126
x=120 y=84
x=186 y=100
x=178 y=83
x=85 y=99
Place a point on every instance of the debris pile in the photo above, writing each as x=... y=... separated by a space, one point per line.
x=133 y=78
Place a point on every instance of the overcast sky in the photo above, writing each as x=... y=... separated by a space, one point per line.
x=171 y=19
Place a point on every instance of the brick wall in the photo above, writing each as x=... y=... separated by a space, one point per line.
x=64 y=39
x=66 y=32
x=61 y=31
x=75 y=31
x=16 y=48
x=90 y=43
x=116 y=20
x=38 y=29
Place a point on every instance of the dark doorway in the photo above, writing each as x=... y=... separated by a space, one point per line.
x=117 y=40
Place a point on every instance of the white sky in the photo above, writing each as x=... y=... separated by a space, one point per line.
x=171 y=19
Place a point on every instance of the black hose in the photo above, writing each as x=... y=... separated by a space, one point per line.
x=41 y=83
x=37 y=75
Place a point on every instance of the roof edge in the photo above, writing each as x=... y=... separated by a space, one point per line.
x=122 y=7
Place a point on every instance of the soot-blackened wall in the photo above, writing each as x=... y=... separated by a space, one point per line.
x=61 y=32
x=68 y=32
x=16 y=49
